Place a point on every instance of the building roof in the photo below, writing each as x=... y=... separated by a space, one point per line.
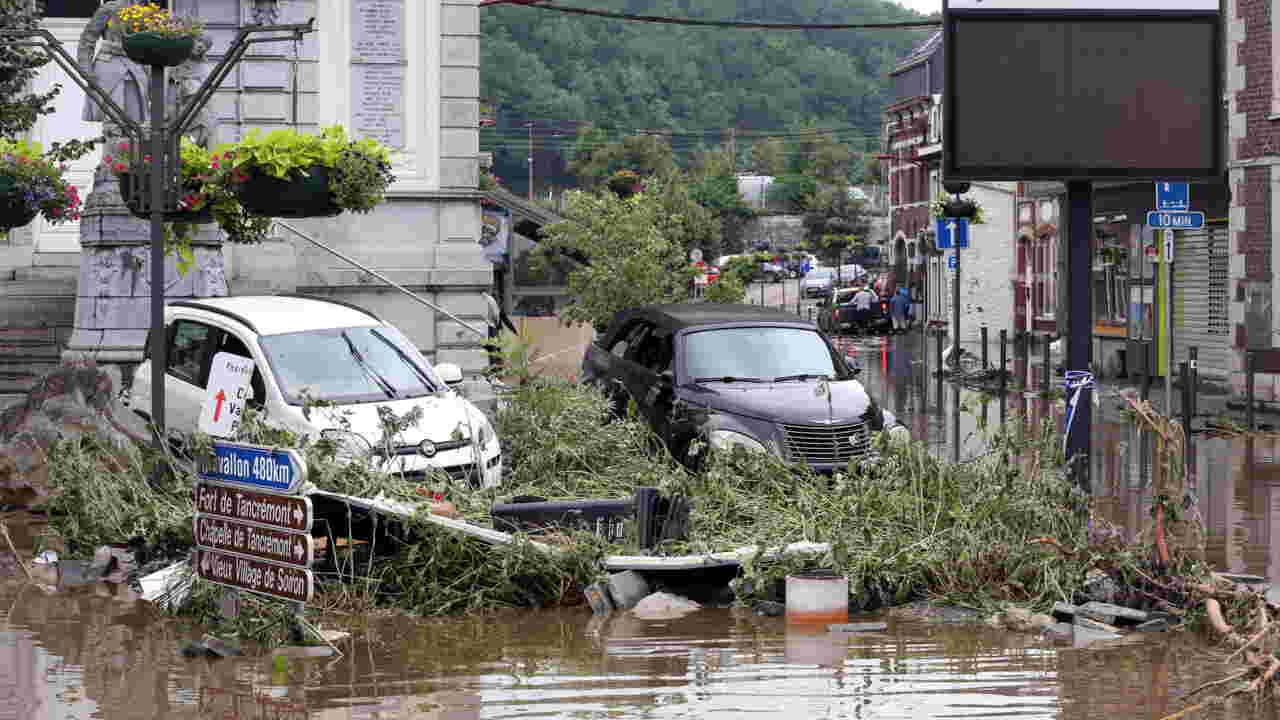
x=278 y=314
x=920 y=54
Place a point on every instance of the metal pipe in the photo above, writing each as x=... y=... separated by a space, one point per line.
x=383 y=278
x=1248 y=387
x=159 y=349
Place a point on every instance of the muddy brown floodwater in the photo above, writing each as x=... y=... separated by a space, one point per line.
x=81 y=654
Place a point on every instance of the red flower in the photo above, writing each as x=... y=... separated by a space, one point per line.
x=119 y=166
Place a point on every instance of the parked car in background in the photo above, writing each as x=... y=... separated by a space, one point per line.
x=308 y=349
x=835 y=313
x=817 y=282
x=737 y=376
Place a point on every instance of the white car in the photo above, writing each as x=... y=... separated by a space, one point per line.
x=321 y=349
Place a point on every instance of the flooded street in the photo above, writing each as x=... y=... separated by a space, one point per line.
x=98 y=652
x=77 y=656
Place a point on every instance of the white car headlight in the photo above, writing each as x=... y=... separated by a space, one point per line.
x=728 y=440
x=350 y=445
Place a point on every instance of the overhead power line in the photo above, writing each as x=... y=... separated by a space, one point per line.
x=737 y=25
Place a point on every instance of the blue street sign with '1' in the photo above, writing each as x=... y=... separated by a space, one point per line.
x=255 y=467
x=953 y=232
x=1175 y=220
x=1173 y=196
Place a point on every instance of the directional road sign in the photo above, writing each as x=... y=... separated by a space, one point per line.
x=255 y=466
x=1173 y=196
x=264 y=543
x=282 y=512
x=953 y=232
x=256 y=576
x=1175 y=220
x=227 y=390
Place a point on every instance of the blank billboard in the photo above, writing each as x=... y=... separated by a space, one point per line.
x=1080 y=96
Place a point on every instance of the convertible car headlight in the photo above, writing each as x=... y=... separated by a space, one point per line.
x=349 y=445
x=728 y=440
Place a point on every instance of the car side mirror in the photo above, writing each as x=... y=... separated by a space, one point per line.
x=451 y=374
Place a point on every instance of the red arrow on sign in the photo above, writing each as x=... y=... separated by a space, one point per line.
x=217 y=409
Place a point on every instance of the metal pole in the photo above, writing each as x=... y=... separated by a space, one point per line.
x=955 y=422
x=1168 y=321
x=1004 y=375
x=159 y=347
x=1079 y=355
x=1045 y=372
x=530 y=126
x=955 y=309
x=983 y=332
x=937 y=351
x=1184 y=369
x=1248 y=389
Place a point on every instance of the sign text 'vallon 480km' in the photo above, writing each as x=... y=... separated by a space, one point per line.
x=260 y=468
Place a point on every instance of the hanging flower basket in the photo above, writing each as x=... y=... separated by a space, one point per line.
x=287 y=174
x=140 y=205
x=153 y=36
x=303 y=195
x=31 y=185
x=149 y=48
x=960 y=208
x=15 y=209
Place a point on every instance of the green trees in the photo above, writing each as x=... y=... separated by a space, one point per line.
x=634 y=250
x=558 y=70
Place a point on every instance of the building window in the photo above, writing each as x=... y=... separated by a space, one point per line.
x=1110 y=279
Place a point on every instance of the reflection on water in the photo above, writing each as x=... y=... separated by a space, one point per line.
x=77 y=656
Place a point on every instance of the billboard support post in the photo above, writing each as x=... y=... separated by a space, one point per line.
x=1079 y=354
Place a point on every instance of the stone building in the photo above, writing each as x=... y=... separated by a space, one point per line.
x=404 y=71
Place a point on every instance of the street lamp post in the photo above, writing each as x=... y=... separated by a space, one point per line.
x=530 y=126
x=166 y=165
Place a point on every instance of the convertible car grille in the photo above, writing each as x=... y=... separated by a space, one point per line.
x=827 y=444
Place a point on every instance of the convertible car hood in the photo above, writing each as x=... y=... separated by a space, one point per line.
x=792 y=402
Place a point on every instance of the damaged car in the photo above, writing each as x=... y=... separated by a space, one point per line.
x=314 y=350
x=738 y=376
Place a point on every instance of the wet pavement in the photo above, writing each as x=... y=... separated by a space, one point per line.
x=98 y=652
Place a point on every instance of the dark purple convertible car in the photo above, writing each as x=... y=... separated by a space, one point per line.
x=738 y=376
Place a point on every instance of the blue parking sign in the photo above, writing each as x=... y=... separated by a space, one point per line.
x=1173 y=196
x=953 y=232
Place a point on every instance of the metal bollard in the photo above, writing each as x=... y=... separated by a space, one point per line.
x=1193 y=355
x=1004 y=376
x=1248 y=386
x=937 y=352
x=1048 y=373
x=982 y=332
x=1184 y=372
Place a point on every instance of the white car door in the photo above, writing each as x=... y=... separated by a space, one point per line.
x=188 y=371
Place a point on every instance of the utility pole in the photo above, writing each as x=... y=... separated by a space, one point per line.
x=530 y=126
x=733 y=149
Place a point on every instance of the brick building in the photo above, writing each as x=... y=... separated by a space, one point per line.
x=912 y=156
x=1253 y=152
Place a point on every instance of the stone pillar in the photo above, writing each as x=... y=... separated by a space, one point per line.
x=114 y=289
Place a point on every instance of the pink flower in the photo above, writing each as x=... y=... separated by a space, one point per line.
x=119 y=166
x=216 y=166
x=122 y=146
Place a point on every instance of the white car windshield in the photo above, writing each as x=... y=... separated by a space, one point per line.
x=759 y=354
x=349 y=365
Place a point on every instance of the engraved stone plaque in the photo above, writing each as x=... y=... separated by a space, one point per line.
x=377 y=103
x=377 y=31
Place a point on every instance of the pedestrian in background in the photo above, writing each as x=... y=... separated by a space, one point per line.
x=899 y=308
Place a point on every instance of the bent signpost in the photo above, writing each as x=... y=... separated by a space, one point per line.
x=252 y=529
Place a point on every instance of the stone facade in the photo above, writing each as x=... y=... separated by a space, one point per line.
x=424 y=86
